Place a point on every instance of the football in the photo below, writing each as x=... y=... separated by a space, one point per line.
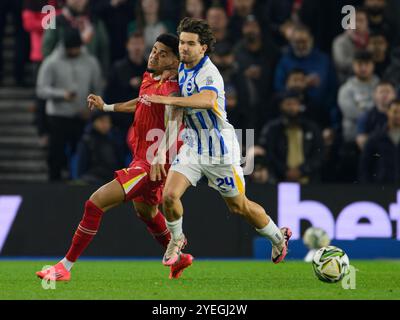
x=330 y=264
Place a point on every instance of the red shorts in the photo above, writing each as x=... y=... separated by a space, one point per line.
x=137 y=185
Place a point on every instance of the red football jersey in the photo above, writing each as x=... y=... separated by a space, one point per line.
x=149 y=116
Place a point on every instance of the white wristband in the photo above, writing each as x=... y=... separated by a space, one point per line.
x=108 y=107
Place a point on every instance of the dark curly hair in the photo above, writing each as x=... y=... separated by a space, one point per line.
x=199 y=27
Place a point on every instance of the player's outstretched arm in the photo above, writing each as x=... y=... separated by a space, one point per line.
x=128 y=106
x=97 y=102
x=205 y=99
x=174 y=121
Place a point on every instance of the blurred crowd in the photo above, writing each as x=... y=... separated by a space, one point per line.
x=322 y=99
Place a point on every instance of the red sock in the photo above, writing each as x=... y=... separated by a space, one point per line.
x=86 y=230
x=158 y=229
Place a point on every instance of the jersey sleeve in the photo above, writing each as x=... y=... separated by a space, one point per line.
x=210 y=79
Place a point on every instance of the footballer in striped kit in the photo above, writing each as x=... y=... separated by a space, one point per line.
x=210 y=145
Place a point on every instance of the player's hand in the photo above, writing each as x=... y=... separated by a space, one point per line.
x=156 y=99
x=95 y=102
x=157 y=170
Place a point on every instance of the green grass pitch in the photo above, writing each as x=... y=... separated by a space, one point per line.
x=148 y=280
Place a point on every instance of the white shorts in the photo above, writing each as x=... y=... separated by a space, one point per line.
x=227 y=179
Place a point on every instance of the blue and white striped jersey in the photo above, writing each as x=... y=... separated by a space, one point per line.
x=208 y=131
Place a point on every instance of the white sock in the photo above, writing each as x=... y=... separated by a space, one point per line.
x=67 y=264
x=175 y=227
x=271 y=232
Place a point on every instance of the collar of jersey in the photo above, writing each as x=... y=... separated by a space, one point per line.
x=197 y=66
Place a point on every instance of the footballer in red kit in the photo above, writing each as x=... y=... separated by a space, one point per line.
x=147 y=118
x=141 y=183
